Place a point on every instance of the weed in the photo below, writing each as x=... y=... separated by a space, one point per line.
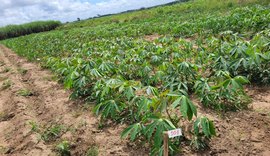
x=47 y=134
x=22 y=71
x=82 y=123
x=34 y=126
x=6 y=70
x=52 y=133
x=24 y=92
x=230 y=4
x=5 y=116
x=51 y=78
x=63 y=148
x=101 y=125
x=76 y=114
x=7 y=84
x=88 y=106
x=3 y=78
x=92 y=151
x=2 y=116
x=3 y=150
x=2 y=63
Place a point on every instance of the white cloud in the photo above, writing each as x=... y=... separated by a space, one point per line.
x=22 y=11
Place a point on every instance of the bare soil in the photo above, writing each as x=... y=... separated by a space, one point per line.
x=239 y=133
x=152 y=37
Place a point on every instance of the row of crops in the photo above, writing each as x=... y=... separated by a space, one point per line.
x=149 y=84
x=11 y=31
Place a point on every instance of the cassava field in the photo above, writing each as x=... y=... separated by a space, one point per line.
x=112 y=85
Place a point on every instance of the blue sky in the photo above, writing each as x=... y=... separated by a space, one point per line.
x=93 y=1
x=23 y=11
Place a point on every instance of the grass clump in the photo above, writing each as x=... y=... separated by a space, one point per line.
x=22 y=71
x=47 y=134
x=52 y=133
x=92 y=151
x=63 y=148
x=7 y=84
x=6 y=70
x=34 y=126
x=2 y=63
x=24 y=92
x=3 y=150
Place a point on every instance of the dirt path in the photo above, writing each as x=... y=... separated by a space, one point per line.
x=32 y=104
x=47 y=106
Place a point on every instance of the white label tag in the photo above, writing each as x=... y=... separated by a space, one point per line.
x=174 y=133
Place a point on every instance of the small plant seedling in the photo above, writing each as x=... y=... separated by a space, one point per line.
x=230 y=5
x=6 y=70
x=6 y=84
x=92 y=151
x=24 y=92
x=2 y=63
x=4 y=116
x=63 y=148
x=76 y=114
x=82 y=123
x=101 y=125
x=34 y=126
x=3 y=150
x=51 y=78
x=3 y=78
x=88 y=106
x=52 y=133
x=22 y=71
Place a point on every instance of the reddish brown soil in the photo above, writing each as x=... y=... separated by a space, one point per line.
x=239 y=133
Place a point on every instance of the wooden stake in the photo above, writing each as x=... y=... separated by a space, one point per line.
x=165 y=144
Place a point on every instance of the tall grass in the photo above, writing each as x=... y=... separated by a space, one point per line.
x=11 y=31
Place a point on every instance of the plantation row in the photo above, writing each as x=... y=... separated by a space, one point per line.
x=157 y=17
x=186 y=23
x=11 y=31
x=148 y=84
